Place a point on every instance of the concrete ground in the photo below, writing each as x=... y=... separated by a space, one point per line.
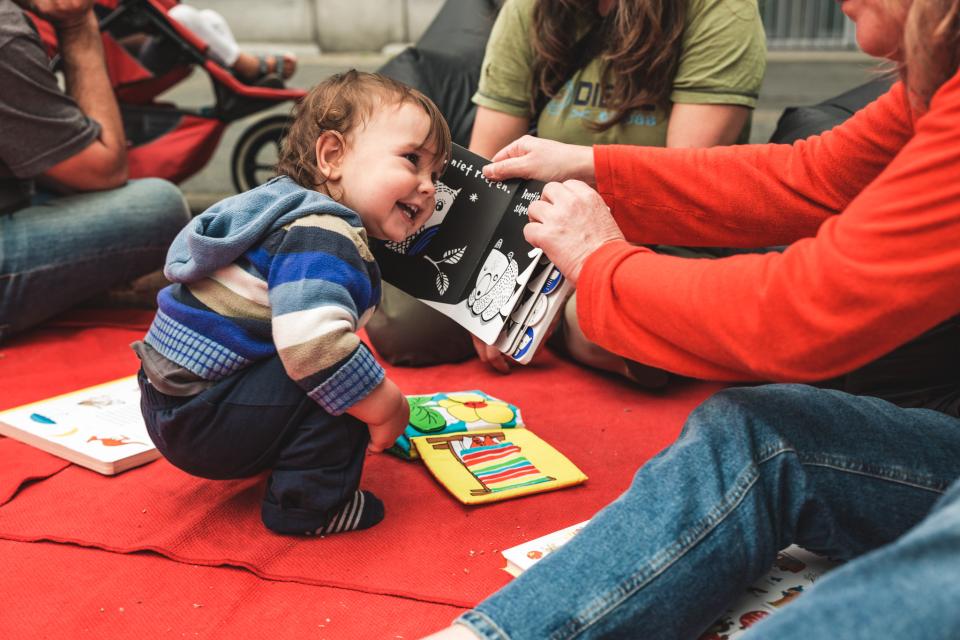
x=792 y=78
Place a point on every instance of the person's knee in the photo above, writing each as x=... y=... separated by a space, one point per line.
x=164 y=203
x=761 y=416
x=406 y=332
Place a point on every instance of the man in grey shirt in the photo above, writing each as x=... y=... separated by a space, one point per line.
x=71 y=225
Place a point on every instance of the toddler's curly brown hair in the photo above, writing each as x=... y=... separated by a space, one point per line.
x=341 y=103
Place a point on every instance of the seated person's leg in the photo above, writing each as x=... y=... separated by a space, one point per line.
x=572 y=340
x=406 y=332
x=754 y=470
x=212 y=28
x=907 y=589
x=57 y=254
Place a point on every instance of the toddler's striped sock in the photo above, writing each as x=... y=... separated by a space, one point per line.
x=362 y=511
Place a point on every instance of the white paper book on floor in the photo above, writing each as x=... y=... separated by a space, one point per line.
x=794 y=571
x=98 y=427
x=523 y=556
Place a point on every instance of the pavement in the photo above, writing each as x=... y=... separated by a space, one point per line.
x=792 y=78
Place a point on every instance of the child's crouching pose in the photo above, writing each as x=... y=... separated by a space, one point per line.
x=253 y=360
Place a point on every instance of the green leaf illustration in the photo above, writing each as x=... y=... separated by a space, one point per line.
x=426 y=419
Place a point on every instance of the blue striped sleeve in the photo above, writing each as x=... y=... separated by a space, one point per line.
x=319 y=287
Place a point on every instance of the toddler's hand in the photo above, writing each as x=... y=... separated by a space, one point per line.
x=384 y=434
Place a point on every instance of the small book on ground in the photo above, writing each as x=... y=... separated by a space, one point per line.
x=100 y=427
x=471 y=262
x=453 y=412
x=523 y=556
x=794 y=571
x=496 y=464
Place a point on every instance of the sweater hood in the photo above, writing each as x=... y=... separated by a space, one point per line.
x=222 y=233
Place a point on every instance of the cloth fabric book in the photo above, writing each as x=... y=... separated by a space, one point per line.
x=98 y=427
x=471 y=262
x=794 y=571
x=494 y=464
x=453 y=412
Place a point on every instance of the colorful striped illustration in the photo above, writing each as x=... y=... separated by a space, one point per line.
x=501 y=466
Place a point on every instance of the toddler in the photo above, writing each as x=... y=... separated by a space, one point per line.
x=253 y=362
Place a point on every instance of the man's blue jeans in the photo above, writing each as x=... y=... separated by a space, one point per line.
x=755 y=470
x=61 y=251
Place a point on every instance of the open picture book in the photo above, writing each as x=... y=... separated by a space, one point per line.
x=471 y=262
x=98 y=427
x=490 y=465
x=794 y=571
x=477 y=447
x=453 y=412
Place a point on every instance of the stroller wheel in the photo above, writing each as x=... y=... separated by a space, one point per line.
x=255 y=157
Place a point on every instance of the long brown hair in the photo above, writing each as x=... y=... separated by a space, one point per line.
x=931 y=47
x=340 y=103
x=638 y=43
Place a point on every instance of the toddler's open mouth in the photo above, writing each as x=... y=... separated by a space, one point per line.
x=410 y=210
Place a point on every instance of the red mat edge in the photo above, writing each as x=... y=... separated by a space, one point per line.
x=32 y=480
x=238 y=565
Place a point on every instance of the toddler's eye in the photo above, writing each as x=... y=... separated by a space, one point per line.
x=414 y=158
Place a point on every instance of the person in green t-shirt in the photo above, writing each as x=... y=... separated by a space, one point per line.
x=676 y=74
x=672 y=74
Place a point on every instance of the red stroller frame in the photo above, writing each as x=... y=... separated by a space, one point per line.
x=165 y=140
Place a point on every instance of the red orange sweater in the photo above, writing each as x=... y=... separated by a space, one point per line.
x=872 y=209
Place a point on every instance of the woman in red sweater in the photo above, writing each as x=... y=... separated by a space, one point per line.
x=871 y=211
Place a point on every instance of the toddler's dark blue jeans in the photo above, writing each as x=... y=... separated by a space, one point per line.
x=255 y=420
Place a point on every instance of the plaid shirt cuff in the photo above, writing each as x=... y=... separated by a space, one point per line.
x=349 y=384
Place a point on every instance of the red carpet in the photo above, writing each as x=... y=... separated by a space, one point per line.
x=429 y=548
x=64 y=592
x=23 y=464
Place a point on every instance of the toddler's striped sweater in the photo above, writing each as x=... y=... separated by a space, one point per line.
x=278 y=269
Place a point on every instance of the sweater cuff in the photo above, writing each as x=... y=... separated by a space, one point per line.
x=595 y=282
x=349 y=384
x=602 y=171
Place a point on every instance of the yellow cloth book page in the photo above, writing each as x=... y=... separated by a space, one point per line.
x=491 y=464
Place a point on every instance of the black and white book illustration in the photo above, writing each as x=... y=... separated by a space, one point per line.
x=470 y=260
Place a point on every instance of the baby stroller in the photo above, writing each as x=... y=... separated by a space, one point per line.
x=165 y=140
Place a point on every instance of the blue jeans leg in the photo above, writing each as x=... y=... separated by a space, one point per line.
x=64 y=250
x=754 y=470
x=907 y=589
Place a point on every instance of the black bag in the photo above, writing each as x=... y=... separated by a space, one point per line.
x=445 y=65
x=445 y=62
x=797 y=123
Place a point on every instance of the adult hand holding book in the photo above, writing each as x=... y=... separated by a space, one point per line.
x=569 y=222
x=471 y=261
x=533 y=158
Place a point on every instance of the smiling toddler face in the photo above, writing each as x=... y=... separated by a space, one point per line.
x=389 y=171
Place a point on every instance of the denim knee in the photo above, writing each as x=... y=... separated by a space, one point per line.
x=737 y=418
x=164 y=201
x=162 y=209
x=764 y=418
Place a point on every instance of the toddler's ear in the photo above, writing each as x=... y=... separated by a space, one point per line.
x=330 y=149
